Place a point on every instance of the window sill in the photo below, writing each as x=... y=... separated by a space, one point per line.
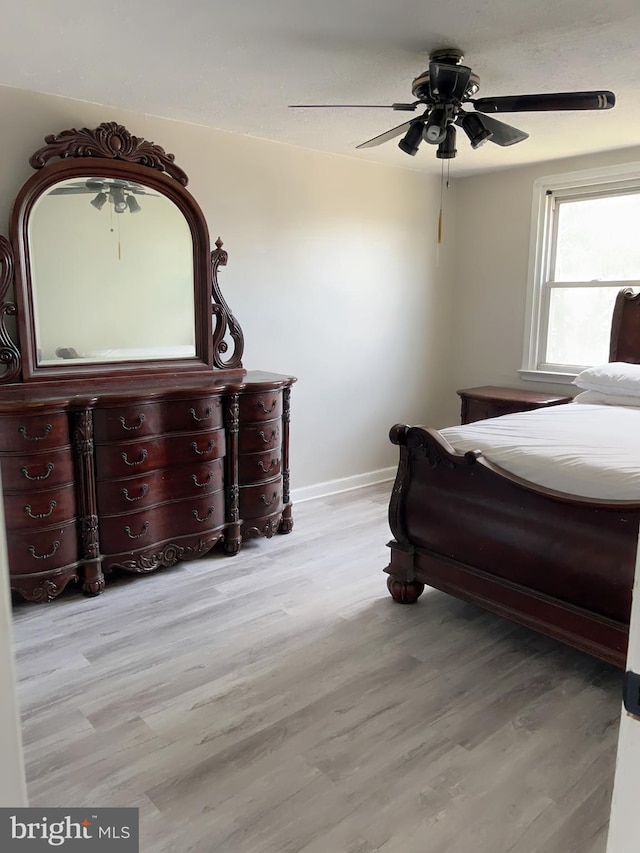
x=547 y=376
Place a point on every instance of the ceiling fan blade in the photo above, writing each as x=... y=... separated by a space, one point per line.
x=601 y=100
x=503 y=134
x=386 y=136
x=70 y=191
x=402 y=107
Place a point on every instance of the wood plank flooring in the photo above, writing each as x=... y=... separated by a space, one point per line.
x=281 y=702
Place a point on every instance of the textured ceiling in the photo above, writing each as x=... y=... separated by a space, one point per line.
x=237 y=65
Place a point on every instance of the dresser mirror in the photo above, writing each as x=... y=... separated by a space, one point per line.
x=111 y=265
x=110 y=260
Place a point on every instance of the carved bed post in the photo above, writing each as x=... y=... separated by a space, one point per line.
x=401 y=583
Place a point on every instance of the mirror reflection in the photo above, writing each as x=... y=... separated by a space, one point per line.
x=112 y=273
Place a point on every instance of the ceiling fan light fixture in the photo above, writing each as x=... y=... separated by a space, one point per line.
x=99 y=201
x=475 y=128
x=435 y=130
x=119 y=203
x=133 y=205
x=447 y=149
x=410 y=142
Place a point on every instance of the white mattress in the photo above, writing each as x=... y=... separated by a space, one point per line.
x=582 y=449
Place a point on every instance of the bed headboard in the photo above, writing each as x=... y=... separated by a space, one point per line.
x=625 y=327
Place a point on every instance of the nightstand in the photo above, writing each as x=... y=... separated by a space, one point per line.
x=490 y=401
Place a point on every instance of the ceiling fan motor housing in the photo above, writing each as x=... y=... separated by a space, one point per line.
x=422 y=87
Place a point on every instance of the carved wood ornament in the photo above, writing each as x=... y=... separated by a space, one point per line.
x=9 y=352
x=110 y=140
x=225 y=321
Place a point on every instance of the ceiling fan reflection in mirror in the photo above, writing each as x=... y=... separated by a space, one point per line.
x=445 y=89
x=120 y=193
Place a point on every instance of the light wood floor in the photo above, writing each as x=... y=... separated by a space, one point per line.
x=280 y=702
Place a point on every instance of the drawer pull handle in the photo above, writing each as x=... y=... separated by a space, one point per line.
x=263 y=467
x=266 y=502
x=143 y=491
x=194 y=513
x=265 y=438
x=32 y=551
x=52 y=506
x=140 y=421
x=125 y=458
x=207 y=449
x=33 y=477
x=205 y=417
x=264 y=408
x=206 y=482
x=131 y=535
x=23 y=432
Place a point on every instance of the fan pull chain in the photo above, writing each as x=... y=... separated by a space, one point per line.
x=115 y=230
x=440 y=211
x=443 y=184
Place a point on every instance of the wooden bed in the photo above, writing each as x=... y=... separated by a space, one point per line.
x=553 y=562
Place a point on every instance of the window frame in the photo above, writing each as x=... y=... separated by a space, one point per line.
x=612 y=180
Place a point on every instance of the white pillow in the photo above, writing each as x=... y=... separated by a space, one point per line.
x=598 y=398
x=617 y=377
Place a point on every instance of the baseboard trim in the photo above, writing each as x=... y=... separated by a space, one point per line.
x=344 y=484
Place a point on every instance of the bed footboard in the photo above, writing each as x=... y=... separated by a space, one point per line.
x=553 y=562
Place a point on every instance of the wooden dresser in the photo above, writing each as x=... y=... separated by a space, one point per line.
x=128 y=458
x=491 y=401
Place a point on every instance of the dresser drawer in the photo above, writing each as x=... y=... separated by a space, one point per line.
x=41 y=551
x=258 y=501
x=37 y=470
x=127 y=422
x=29 y=433
x=259 y=437
x=136 y=530
x=255 y=467
x=260 y=407
x=479 y=410
x=128 y=458
x=33 y=510
x=121 y=496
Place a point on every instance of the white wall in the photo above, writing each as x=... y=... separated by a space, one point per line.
x=13 y=792
x=332 y=274
x=493 y=219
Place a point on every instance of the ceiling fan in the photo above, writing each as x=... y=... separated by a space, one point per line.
x=445 y=88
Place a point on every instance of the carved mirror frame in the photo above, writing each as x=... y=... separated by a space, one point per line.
x=110 y=151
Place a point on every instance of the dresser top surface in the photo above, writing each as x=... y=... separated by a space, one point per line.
x=36 y=396
x=515 y=395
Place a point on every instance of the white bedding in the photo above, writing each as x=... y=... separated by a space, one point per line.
x=582 y=449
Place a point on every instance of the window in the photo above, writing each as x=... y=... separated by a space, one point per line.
x=585 y=247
